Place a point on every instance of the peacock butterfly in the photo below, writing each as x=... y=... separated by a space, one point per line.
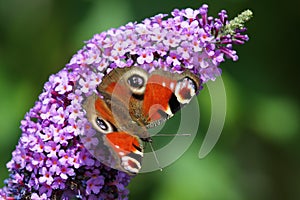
x=130 y=101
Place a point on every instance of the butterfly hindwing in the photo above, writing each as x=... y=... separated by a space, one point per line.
x=126 y=148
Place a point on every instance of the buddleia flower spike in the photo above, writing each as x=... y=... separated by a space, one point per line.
x=51 y=159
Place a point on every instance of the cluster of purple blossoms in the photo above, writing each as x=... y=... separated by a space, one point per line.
x=51 y=160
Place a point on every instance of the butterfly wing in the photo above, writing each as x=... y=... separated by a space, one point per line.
x=126 y=148
x=133 y=100
x=150 y=98
x=166 y=93
x=129 y=150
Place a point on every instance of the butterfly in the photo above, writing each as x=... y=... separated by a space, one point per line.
x=129 y=101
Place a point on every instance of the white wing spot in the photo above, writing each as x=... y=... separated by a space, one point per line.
x=126 y=165
x=184 y=84
x=172 y=85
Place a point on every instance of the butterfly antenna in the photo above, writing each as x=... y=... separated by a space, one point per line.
x=165 y=134
x=155 y=156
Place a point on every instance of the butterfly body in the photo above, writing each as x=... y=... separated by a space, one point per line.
x=133 y=100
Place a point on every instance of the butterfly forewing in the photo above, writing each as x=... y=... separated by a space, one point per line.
x=150 y=98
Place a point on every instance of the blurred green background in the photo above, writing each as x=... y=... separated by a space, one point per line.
x=257 y=156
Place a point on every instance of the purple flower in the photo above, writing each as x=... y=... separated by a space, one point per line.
x=190 y=13
x=51 y=148
x=145 y=57
x=65 y=172
x=35 y=196
x=94 y=184
x=184 y=50
x=171 y=40
x=58 y=183
x=52 y=164
x=59 y=155
x=173 y=59
x=46 y=189
x=46 y=176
